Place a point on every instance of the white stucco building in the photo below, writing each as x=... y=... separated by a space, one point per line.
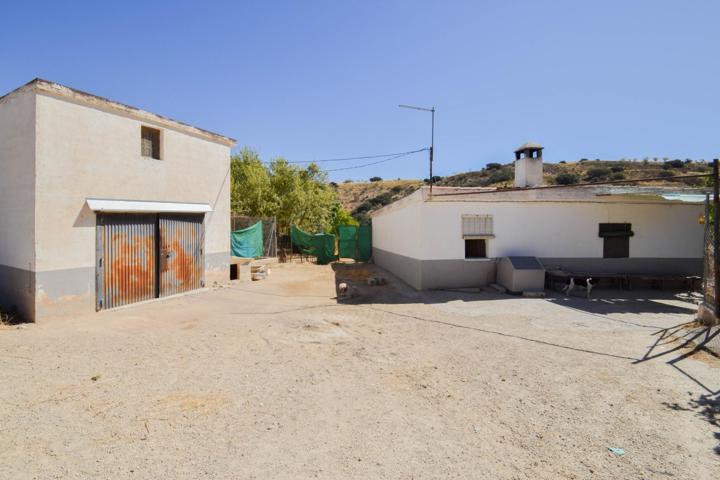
x=102 y=204
x=455 y=238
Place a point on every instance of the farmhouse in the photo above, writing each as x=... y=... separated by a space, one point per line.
x=456 y=237
x=102 y=204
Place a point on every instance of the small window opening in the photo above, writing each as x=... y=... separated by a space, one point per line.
x=616 y=239
x=150 y=142
x=475 y=248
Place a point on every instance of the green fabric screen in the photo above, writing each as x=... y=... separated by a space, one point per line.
x=320 y=245
x=248 y=242
x=348 y=241
x=355 y=242
x=364 y=242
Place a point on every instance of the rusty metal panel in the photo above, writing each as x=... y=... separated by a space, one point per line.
x=181 y=253
x=127 y=259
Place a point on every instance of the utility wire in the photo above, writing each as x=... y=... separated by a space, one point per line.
x=375 y=163
x=345 y=159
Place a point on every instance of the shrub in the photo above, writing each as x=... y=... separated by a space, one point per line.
x=666 y=173
x=493 y=166
x=362 y=208
x=618 y=176
x=674 y=164
x=563 y=161
x=617 y=168
x=375 y=179
x=597 y=173
x=567 y=178
x=348 y=181
x=502 y=175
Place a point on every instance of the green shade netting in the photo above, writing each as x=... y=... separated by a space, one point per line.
x=364 y=242
x=355 y=242
x=348 y=241
x=248 y=242
x=320 y=245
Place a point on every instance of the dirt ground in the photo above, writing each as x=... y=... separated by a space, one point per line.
x=277 y=379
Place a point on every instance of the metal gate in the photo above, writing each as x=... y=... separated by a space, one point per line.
x=181 y=253
x=145 y=256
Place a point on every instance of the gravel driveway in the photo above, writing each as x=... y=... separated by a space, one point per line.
x=276 y=379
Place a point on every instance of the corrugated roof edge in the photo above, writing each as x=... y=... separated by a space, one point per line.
x=58 y=90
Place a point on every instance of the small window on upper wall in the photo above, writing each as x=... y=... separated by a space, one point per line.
x=150 y=142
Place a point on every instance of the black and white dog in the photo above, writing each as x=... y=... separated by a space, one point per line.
x=579 y=284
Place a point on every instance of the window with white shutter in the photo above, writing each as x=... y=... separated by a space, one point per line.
x=477 y=226
x=476 y=230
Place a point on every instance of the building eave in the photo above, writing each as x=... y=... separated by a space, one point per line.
x=57 y=90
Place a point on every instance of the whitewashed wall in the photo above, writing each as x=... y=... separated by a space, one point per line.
x=17 y=180
x=555 y=229
x=86 y=152
x=399 y=229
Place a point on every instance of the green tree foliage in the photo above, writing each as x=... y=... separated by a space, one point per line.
x=251 y=189
x=340 y=216
x=375 y=179
x=292 y=194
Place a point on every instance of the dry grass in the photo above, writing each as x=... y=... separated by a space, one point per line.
x=354 y=194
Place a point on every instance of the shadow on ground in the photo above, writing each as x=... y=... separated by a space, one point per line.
x=667 y=345
x=602 y=302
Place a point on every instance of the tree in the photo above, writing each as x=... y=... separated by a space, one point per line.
x=292 y=194
x=675 y=164
x=375 y=179
x=250 y=187
x=493 y=166
x=340 y=216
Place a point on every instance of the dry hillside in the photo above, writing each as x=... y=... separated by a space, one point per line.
x=361 y=198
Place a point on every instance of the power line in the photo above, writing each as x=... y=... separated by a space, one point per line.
x=400 y=155
x=345 y=159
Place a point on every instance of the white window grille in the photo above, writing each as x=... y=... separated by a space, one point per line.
x=477 y=226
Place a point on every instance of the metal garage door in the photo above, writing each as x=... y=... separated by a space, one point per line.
x=145 y=256
x=181 y=253
x=127 y=256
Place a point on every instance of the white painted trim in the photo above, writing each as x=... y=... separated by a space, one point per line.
x=103 y=205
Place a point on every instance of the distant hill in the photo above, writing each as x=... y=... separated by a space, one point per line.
x=362 y=198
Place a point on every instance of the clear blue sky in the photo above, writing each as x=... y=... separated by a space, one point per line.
x=318 y=79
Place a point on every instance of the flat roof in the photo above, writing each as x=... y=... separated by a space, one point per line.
x=552 y=193
x=62 y=91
